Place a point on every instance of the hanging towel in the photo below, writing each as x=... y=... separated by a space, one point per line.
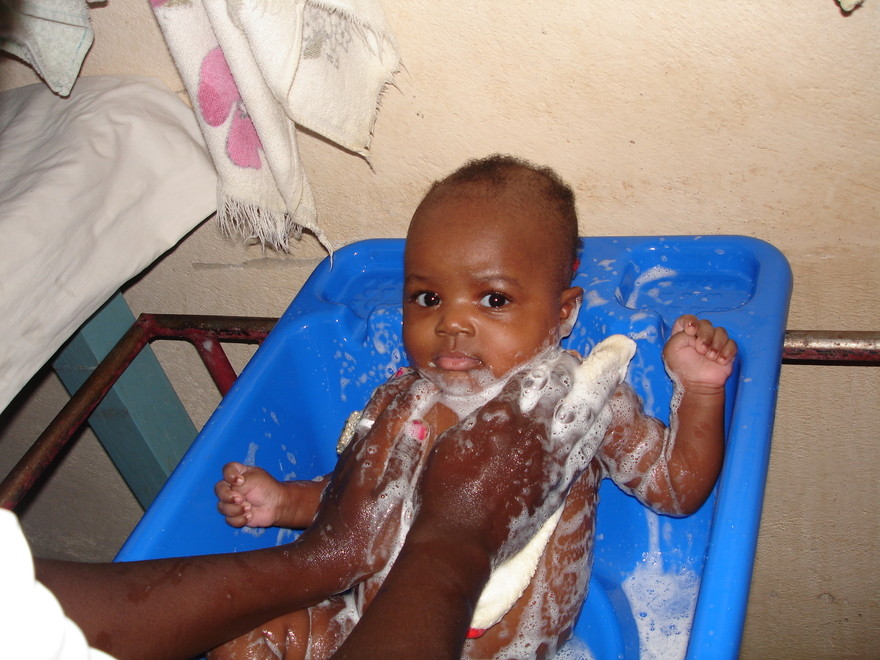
x=254 y=69
x=52 y=36
x=849 y=5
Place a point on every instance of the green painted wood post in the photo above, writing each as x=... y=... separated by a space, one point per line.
x=141 y=423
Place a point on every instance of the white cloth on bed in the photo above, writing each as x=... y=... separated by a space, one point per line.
x=254 y=67
x=93 y=189
x=53 y=36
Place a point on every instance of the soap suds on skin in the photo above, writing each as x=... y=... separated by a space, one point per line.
x=580 y=422
x=578 y=426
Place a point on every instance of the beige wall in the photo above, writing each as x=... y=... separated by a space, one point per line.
x=751 y=117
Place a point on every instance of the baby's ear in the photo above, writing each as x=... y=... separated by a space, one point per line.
x=569 y=306
x=570 y=302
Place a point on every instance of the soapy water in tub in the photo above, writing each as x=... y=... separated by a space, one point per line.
x=659 y=274
x=575 y=649
x=676 y=292
x=662 y=602
x=384 y=353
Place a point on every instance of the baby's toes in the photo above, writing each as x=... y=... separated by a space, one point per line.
x=237 y=521
x=232 y=509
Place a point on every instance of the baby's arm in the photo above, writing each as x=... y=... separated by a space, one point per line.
x=674 y=469
x=250 y=496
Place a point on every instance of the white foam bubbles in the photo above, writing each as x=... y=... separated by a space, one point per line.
x=662 y=601
x=575 y=649
x=650 y=275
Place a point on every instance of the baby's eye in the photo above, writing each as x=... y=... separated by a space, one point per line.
x=494 y=300
x=427 y=299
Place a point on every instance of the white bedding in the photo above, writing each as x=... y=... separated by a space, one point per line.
x=93 y=188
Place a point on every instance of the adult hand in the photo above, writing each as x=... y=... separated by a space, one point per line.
x=495 y=478
x=489 y=484
x=357 y=522
x=168 y=608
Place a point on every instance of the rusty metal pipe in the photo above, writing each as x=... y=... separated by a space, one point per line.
x=202 y=331
x=205 y=333
x=218 y=365
x=831 y=347
x=223 y=328
x=52 y=441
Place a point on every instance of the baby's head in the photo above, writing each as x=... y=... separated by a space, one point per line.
x=489 y=259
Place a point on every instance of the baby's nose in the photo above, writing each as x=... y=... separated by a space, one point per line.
x=455 y=320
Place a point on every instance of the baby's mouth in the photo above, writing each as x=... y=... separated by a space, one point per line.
x=456 y=361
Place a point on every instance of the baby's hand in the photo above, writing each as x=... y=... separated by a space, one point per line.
x=699 y=354
x=249 y=496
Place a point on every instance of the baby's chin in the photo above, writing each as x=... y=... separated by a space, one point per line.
x=477 y=382
x=465 y=391
x=462 y=383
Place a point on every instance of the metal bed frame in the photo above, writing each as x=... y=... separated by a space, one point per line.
x=206 y=333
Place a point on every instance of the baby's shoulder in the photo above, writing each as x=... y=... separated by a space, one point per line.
x=625 y=402
x=627 y=412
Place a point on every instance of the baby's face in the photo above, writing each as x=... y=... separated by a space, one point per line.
x=481 y=291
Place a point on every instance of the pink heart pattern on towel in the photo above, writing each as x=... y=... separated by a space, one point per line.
x=218 y=97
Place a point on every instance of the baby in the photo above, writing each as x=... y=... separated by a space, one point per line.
x=489 y=260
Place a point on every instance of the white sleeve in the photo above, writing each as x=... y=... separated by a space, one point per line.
x=32 y=623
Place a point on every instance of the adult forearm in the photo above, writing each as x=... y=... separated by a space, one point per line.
x=178 y=608
x=424 y=607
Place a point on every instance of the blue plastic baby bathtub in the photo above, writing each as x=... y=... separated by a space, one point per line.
x=661 y=587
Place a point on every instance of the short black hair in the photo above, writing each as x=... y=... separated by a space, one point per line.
x=499 y=171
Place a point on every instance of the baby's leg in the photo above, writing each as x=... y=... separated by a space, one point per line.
x=315 y=633
x=330 y=623
x=270 y=641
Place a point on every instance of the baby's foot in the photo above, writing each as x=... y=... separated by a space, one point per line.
x=250 y=496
